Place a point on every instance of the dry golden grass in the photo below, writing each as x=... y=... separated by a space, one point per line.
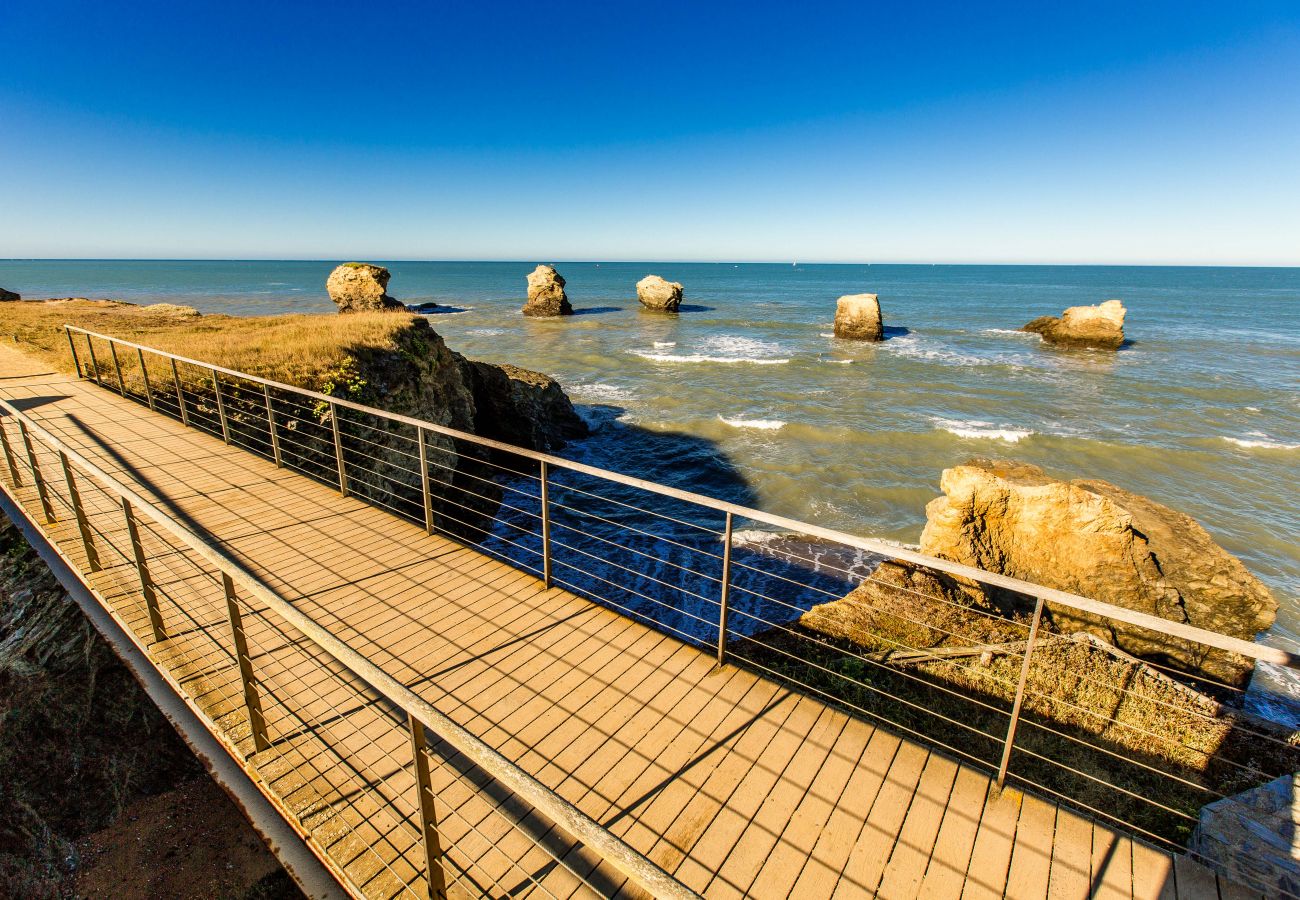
x=304 y=350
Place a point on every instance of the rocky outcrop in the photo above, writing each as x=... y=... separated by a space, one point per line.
x=656 y=293
x=361 y=287
x=8 y=296
x=1092 y=538
x=521 y=407
x=857 y=318
x=1099 y=327
x=546 y=295
x=1254 y=837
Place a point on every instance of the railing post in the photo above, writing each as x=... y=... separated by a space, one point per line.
x=41 y=490
x=180 y=394
x=142 y=568
x=546 y=527
x=144 y=372
x=76 y=360
x=252 y=702
x=94 y=361
x=726 y=592
x=9 y=456
x=338 y=448
x=428 y=817
x=270 y=423
x=1020 y=695
x=424 y=481
x=117 y=367
x=221 y=408
x=83 y=524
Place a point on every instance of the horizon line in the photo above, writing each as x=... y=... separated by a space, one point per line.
x=734 y=262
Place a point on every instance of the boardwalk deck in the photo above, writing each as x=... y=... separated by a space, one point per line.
x=736 y=785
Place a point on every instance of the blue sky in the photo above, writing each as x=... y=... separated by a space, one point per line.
x=1147 y=132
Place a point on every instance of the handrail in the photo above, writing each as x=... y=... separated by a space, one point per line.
x=1213 y=639
x=623 y=857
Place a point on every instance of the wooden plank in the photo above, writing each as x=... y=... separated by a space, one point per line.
x=914 y=847
x=1031 y=858
x=1071 y=865
x=1153 y=873
x=1195 y=881
x=1112 y=864
x=955 y=843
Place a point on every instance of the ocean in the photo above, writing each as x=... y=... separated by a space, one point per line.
x=1201 y=411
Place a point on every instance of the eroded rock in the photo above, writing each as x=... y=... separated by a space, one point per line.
x=1100 y=327
x=361 y=287
x=546 y=295
x=8 y=296
x=521 y=407
x=1254 y=837
x=857 y=318
x=657 y=293
x=1091 y=538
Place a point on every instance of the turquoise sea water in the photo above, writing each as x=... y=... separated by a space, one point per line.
x=1200 y=412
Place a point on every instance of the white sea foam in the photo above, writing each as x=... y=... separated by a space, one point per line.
x=659 y=345
x=1265 y=444
x=600 y=392
x=1018 y=332
x=913 y=347
x=724 y=348
x=841 y=362
x=976 y=430
x=764 y=424
x=486 y=332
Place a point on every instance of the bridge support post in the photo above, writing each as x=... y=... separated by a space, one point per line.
x=546 y=527
x=144 y=373
x=270 y=424
x=424 y=481
x=9 y=457
x=83 y=524
x=428 y=818
x=252 y=702
x=1020 y=695
x=117 y=367
x=94 y=362
x=338 y=448
x=142 y=568
x=76 y=361
x=180 y=394
x=724 y=600
x=221 y=408
x=38 y=479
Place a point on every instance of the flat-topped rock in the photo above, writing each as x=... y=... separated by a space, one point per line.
x=1100 y=327
x=361 y=287
x=857 y=318
x=8 y=296
x=657 y=293
x=546 y=295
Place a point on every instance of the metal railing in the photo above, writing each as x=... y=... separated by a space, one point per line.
x=157 y=550
x=970 y=661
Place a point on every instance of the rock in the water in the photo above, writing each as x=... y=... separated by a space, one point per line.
x=1097 y=540
x=361 y=287
x=426 y=307
x=656 y=293
x=521 y=407
x=1254 y=837
x=1100 y=327
x=546 y=295
x=6 y=296
x=857 y=318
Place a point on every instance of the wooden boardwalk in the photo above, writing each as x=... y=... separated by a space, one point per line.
x=733 y=783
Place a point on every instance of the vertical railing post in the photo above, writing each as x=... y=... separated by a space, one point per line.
x=144 y=373
x=117 y=367
x=424 y=480
x=428 y=818
x=270 y=423
x=252 y=702
x=142 y=568
x=9 y=457
x=180 y=393
x=39 y=480
x=338 y=448
x=94 y=361
x=546 y=526
x=76 y=360
x=221 y=408
x=725 y=599
x=1020 y=695
x=83 y=524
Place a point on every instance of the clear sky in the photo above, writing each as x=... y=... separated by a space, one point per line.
x=1035 y=132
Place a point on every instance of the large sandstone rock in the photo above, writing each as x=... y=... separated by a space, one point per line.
x=656 y=293
x=857 y=318
x=1100 y=327
x=361 y=287
x=7 y=296
x=1092 y=538
x=546 y=295
x=521 y=407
